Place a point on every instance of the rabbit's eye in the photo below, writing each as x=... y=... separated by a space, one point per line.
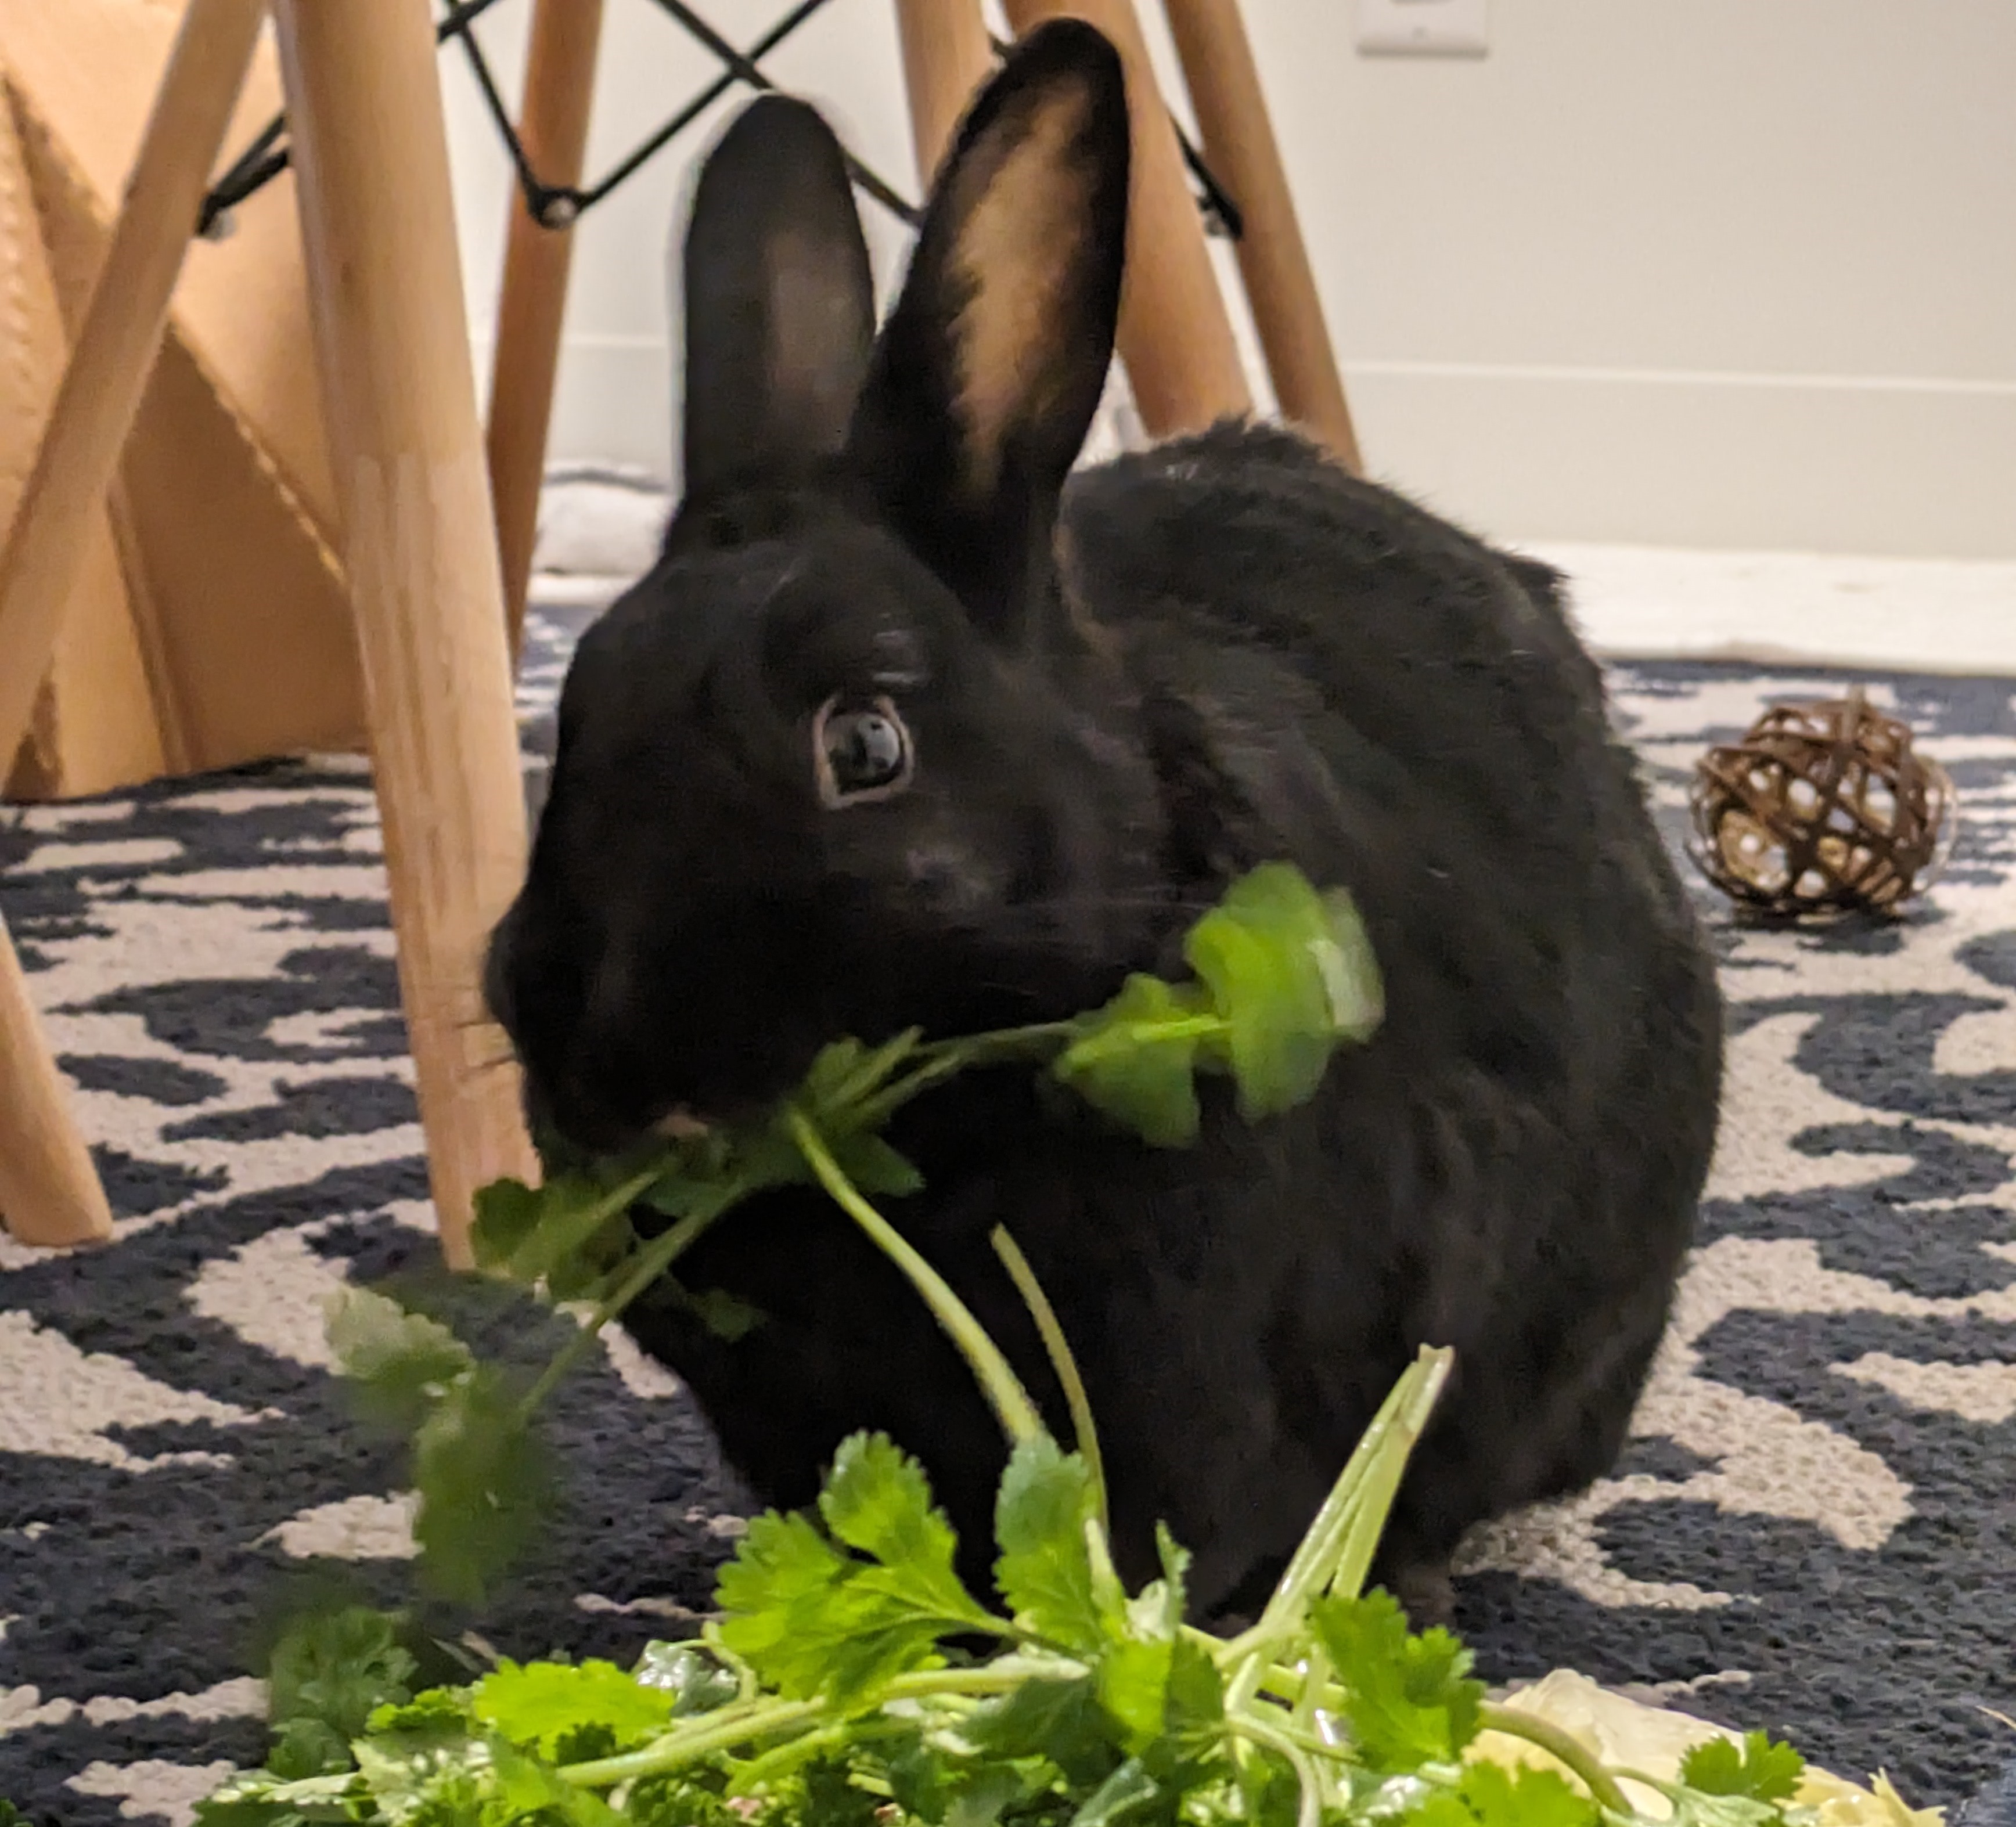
x=860 y=751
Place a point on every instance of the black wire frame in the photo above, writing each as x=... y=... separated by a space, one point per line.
x=556 y=206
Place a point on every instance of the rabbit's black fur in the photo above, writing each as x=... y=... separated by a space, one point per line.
x=1118 y=696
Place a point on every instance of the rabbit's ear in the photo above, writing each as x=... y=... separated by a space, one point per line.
x=989 y=370
x=779 y=301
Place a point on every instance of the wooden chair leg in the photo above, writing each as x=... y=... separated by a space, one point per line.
x=50 y=1192
x=531 y=306
x=1176 y=336
x=946 y=57
x=116 y=348
x=399 y=390
x=1239 y=145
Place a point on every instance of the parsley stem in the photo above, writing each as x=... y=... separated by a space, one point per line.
x=759 y=1768
x=1083 y=1428
x=1019 y=1419
x=1672 y=1791
x=1128 y=1036
x=1347 y=1527
x=943 y=1059
x=1383 y=1474
x=648 y=1264
x=1564 y=1746
x=1000 y=1043
x=710 y=1732
x=739 y=1723
x=1305 y=1739
x=1316 y=1678
x=1307 y=1778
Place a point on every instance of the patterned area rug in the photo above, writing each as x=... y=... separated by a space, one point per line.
x=1815 y=1527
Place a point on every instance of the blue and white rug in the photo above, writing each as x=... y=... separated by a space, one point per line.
x=1814 y=1529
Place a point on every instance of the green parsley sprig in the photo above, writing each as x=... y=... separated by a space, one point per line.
x=837 y=1687
x=1284 y=975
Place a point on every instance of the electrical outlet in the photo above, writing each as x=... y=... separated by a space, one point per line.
x=1423 y=28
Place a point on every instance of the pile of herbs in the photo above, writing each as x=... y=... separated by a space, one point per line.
x=837 y=1685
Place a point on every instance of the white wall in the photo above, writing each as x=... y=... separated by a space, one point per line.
x=1734 y=273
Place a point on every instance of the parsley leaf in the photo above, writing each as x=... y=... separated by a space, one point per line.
x=728 y=1316
x=846 y=1075
x=1126 y=1791
x=1410 y=1700
x=439 y=1710
x=568 y=1233
x=1285 y=973
x=672 y=1801
x=1135 y=1059
x=485 y=1484
x=1524 y=1797
x=1054 y=1718
x=1693 y=1808
x=330 y=1673
x=1291 y=972
x=1044 y=1569
x=874 y=1166
x=538 y=1705
x=530 y=1792
x=507 y=1211
x=782 y=1567
x=876 y=1499
x=255 y=1798
x=811 y=1619
x=695 y=1681
x=399 y=1361
x=1193 y=1715
x=1757 y=1768
x=426 y=1777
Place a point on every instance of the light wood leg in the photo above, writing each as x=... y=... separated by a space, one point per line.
x=398 y=385
x=1240 y=148
x=116 y=344
x=50 y=1192
x=946 y=57
x=559 y=94
x=1176 y=337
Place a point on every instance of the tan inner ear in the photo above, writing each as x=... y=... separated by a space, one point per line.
x=1018 y=242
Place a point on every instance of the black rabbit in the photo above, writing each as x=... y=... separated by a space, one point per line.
x=909 y=724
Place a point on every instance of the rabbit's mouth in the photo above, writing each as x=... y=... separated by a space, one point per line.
x=612 y=1117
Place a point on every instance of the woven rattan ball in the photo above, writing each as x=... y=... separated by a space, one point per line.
x=1823 y=808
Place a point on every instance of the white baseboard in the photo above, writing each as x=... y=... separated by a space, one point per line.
x=1897 y=468
x=1889 y=466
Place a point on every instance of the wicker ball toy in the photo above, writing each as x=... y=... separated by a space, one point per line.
x=1823 y=808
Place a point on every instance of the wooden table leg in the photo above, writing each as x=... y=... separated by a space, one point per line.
x=116 y=344
x=1240 y=148
x=945 y=57
x=399 y=391
x=50 y=1192
x=1176 y=336
x=531 y=305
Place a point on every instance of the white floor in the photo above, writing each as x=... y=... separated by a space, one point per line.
x=598 y=532
x=1926 y=615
